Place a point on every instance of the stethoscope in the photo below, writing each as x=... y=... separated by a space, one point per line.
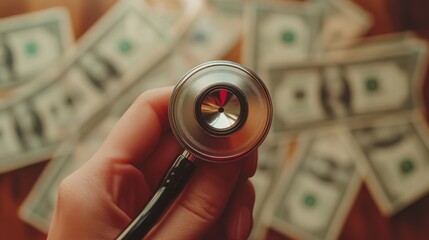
x=219 y=111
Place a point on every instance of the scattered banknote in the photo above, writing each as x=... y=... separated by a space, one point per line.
x=343 y=22
x=395 y=157
x=39 y=205
x=35 y=119
x=375 y=45
x=344 y=88
x=212 y=35
x=279 y=33
x=44 y=192
x=371 y=44
x=272 y=155
x=313 y=197
x=217 y=29
x=31 y=43
x=166 y=12
x=272 y=158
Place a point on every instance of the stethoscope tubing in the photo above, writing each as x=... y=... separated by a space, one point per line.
x=172 y=184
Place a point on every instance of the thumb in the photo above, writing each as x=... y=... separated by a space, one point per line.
x=201 y=203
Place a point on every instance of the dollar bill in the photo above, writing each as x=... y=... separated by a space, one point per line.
x=166 y=12
x=313 y=197
x=46 y=111
x=272 y=155
x=349 y=88
x=374 y=45
x=31 y=43
x=396 y=39
x=71 y=155
x=216 y=31
x=211 y=36
x=394 y=153
x=208 y=37
x=272 y=158
x=343 y=22
x=278 y=33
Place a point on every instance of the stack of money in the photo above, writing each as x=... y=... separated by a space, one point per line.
x=347 y=109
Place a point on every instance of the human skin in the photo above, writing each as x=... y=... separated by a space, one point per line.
x=101 y=198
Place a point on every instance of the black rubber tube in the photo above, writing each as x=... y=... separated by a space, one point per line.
x=170 y=187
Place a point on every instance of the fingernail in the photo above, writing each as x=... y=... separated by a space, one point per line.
x=243 y=224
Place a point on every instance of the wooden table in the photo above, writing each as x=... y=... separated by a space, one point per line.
x=364 y=221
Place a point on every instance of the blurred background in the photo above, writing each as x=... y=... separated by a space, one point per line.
x=354 y=72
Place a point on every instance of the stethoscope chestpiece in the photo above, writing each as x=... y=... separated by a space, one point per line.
x=220 y=111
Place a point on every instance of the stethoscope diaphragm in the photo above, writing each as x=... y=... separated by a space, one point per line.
x=220 y=111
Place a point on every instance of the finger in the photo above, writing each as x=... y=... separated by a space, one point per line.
x=251 y=164
x=240 y=220
x=201 y=203
x=139 y=129
x=155 y=166
x=128 y=188
x=236 y=221
x=78 y=204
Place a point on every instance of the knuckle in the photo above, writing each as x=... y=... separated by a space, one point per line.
x=250 y=191
x=147 y=100
x=66 y=192
x=222 y=174
x=202 y=206
x=145 y=97
x=250 y=164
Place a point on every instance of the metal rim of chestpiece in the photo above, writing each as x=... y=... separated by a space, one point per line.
x=220 y=111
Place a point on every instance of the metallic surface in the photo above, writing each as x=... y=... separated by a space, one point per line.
x=189 y=156
x=220 y=111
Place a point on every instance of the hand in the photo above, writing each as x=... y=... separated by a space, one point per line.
x=101 y=198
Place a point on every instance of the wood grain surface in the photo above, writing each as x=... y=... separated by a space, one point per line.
x=364 y=221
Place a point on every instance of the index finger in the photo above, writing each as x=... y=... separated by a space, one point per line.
x=139 y=130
